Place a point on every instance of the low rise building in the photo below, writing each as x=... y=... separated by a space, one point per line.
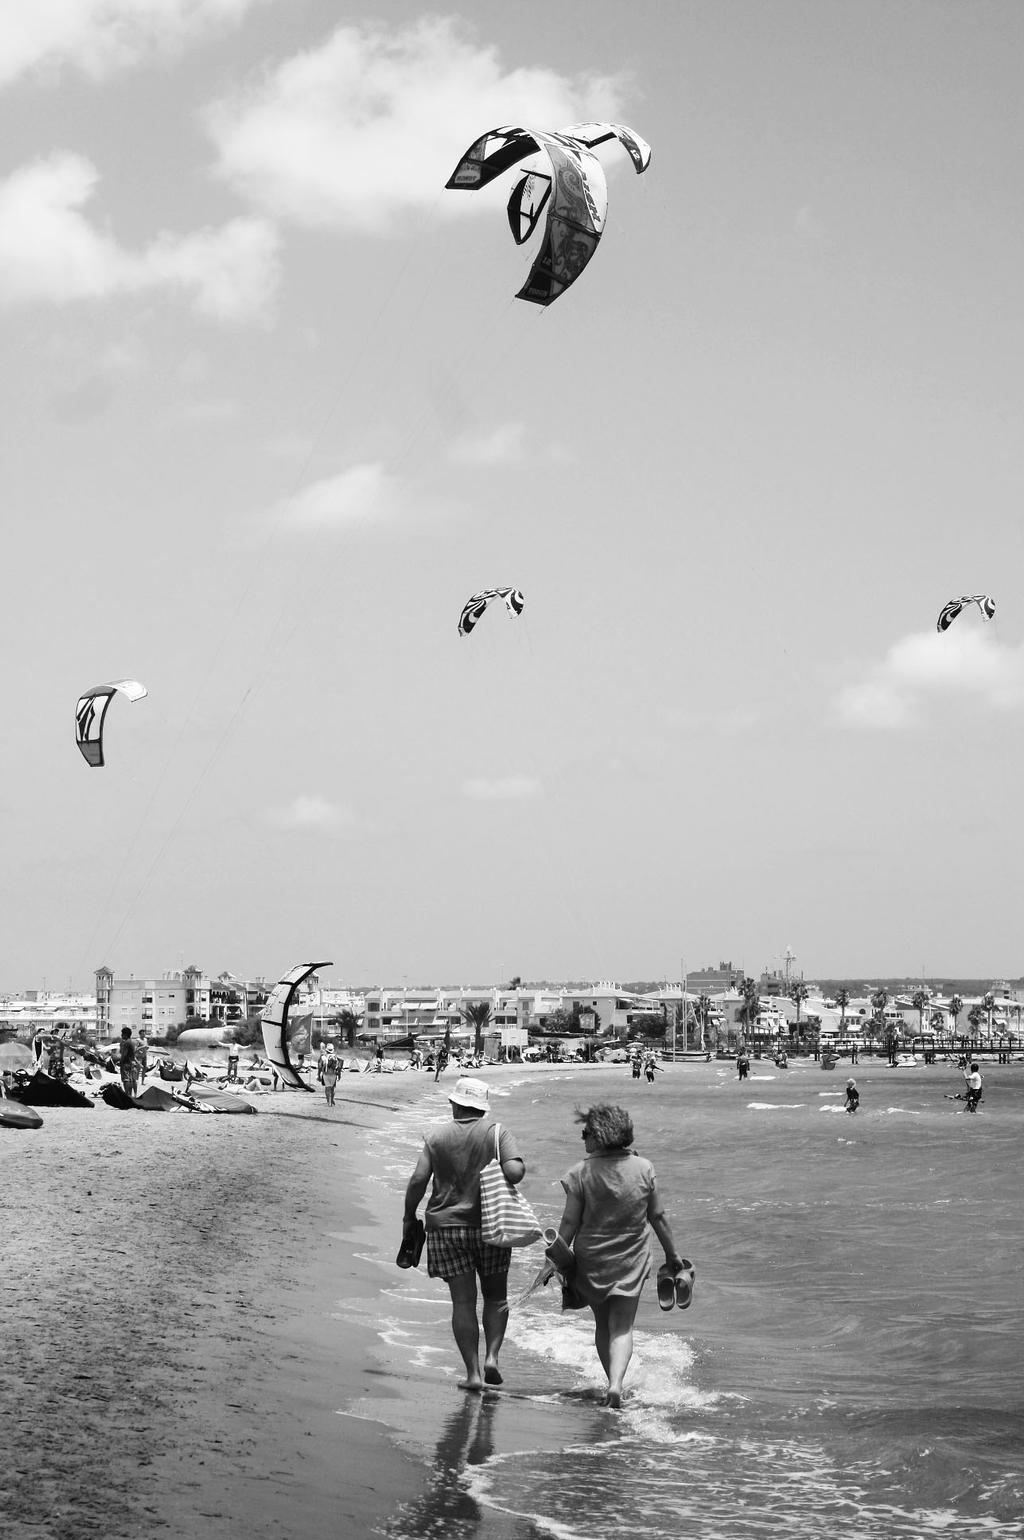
x=173 y=1001
x=43 y=1011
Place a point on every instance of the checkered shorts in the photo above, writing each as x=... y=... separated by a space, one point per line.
x=461 y=1249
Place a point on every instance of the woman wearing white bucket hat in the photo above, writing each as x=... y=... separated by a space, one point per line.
x=452 y=1159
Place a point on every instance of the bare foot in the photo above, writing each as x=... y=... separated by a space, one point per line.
x=492 y=1375
x=613 y=1400
x=474 y=1384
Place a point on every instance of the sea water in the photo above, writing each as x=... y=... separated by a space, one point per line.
x=850 y=1365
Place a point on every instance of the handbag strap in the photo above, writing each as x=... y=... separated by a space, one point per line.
x=497 y=1143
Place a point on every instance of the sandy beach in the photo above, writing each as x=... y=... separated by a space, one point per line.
x=173 y=1361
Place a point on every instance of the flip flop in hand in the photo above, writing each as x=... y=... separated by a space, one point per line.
x=683 y=1284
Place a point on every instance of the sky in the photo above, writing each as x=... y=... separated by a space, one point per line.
x=271 y=413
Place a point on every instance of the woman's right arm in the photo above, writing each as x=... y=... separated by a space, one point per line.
x=663 y=1230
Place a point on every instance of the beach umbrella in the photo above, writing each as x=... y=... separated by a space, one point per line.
x=15 y=1055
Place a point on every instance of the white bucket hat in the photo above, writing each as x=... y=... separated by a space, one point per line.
x=471 y=1093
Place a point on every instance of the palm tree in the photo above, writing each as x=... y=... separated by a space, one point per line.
x=956 y=1005
x=798 y=994
x=751 y=1004
x=348 y=1024
x=919 y=1000
x=974 y=1016
x=842 y=1000
x=478 y=1016
x=989 y=1004
x=702 y=1013
x=879 y=1000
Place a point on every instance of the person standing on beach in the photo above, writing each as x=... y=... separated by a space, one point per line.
x=126 y=1061
x=611 y=1198
x=141 y=1057
x=852 y=1096
x=329 y=1074
x=442 y=1063
x=233 y=1061
x=451 y=1160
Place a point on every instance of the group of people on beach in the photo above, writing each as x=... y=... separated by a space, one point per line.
x=611 y=1203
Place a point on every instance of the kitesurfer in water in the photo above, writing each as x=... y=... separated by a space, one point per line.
x=972 y=1078
x=450 y=1163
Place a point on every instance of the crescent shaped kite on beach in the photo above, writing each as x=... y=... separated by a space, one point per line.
x=91 y=710
x=274 y=1023
x=572 y=190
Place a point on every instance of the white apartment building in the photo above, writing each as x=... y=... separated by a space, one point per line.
x=43 y=1011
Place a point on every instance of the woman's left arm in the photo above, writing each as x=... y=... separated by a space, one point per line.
x=663 y=1230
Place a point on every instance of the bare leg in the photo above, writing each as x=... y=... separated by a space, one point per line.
x=495 y=1292
x=613 y=1338
x=466 y=1328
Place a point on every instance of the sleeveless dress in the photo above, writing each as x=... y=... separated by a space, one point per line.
x=612 y=1245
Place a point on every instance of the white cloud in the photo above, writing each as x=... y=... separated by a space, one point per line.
x=359 y=495
x=501 y=446
x=101 y=36
x=372 y=123
x=50 y=253
x=231 y=272
x=929 y=666
x=314 y=814
x=505 y=789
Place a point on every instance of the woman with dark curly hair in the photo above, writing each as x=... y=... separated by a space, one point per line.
x=611 y=1199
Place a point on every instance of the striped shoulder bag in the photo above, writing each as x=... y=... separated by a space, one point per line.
x=506 y=1217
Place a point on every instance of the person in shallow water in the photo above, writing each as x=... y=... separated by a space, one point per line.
x=611 y=1200
x=451 y=1160
x=972 y=1078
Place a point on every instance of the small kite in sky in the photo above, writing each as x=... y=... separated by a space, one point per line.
x=572 y=189
x=92 y=708
x=951 y=610
x=475 y=606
